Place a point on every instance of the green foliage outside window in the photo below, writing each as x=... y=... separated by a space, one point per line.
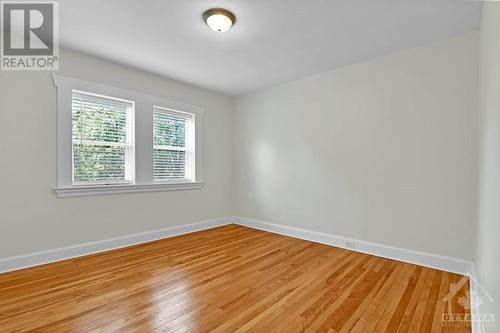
x=169 y=132
x=94 y=125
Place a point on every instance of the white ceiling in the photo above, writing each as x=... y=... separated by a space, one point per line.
x=273 y=41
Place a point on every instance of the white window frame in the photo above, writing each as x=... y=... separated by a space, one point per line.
x=129 y=145
x=143 y=115
x=190 y=148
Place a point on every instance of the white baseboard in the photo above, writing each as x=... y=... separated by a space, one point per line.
x=44 y=257
x=415 y=257
x=477 y=326
x=440 y=262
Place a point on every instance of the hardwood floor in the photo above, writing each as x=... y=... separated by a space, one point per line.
x=229 y=279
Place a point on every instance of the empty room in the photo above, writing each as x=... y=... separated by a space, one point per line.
x=250 y=166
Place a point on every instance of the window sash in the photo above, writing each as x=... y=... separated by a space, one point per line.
x=127 y=171
x=188 y=148
x=101 y=143
x=109 y=104
x=171 y=148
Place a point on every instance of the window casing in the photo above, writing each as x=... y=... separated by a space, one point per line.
x=136 y=147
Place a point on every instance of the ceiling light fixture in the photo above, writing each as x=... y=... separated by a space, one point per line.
x=219 y=19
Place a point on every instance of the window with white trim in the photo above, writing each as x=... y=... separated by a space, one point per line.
x=112 y=140
x=173 y=145
x=102 y=130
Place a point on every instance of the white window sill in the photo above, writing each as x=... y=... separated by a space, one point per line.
x=79 y=191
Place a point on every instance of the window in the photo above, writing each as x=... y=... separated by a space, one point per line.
x=173 y=145
x=102 y=140
x=112 y=140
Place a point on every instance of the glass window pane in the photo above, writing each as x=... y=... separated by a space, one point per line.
x=169 y=164
x=93 y=163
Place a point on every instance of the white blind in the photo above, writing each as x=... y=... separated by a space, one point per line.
x=172 y=151
x=101 y=140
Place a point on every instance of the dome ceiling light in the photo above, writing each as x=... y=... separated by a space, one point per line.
x=219 y=19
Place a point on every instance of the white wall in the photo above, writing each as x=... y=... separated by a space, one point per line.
x=383 y=151
x=33 y=219
x=488 y=241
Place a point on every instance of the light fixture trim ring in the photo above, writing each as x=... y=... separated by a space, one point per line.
x=219 y=11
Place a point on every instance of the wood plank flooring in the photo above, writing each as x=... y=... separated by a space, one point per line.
x=230 y=279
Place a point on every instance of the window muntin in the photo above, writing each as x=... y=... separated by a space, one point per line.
x=173 y=145
x=102 y=139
